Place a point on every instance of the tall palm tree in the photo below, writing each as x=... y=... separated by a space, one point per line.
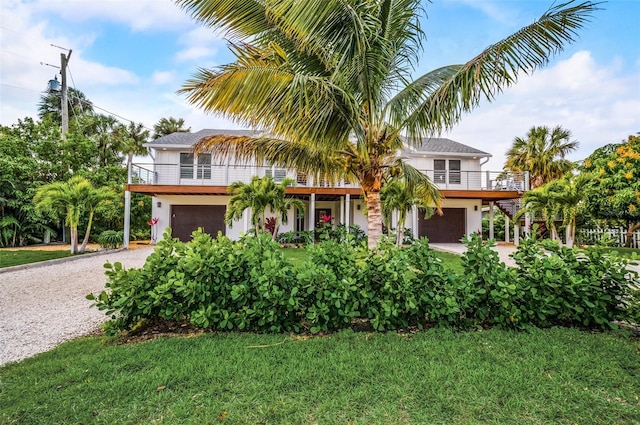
x=330 y=83
x=395 y=196
x=257 y=195
x=169 y=125
x=73 y=198
x=542 y=153
x=132 y=138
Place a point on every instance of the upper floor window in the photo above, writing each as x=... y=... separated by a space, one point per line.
x=186 y=165
x=192 y=167
x=440 y=171
x=278 y=174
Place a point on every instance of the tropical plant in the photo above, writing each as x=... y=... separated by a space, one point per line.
x=132 y=138
x=73 y=199
x=570 y=195
x=330 y=83
x=260 y=193
x=166 y=126
x=50 y=105
x=539 y=202
x=615 y=191
x=542 y=153
x=396 y=196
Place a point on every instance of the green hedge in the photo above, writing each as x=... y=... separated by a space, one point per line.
x=250 y=285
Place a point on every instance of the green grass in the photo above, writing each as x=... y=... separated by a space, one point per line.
x=451 y=262
x=553 y=376
x=24 y=256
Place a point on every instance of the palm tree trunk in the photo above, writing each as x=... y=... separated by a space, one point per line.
x=86 y=234
x=374 y=217
x=73 y=236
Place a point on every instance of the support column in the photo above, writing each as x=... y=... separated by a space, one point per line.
x=506 y=228
x=312 y=212
x=527 y=224
x=347 y=211
x=341 y=210
x=516 y=234
x=491 y=220
x=127 y=210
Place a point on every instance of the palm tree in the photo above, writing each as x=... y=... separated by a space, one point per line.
x=330 y=83
x=257 y=195
x=73 y=198
x=542 y=153
x=395 y=196
x=132 y=138
x=569 y=194
x=539 y=202
x=169 y=125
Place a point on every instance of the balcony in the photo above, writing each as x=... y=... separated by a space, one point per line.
x=224 y=175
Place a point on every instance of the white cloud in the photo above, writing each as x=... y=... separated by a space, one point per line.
x=163 y=77
x=139 y=15
x=194 y=53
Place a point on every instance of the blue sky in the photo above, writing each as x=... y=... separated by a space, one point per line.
x=131 y=56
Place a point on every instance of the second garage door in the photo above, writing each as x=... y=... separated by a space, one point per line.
x=449 y=227
x=187 y=218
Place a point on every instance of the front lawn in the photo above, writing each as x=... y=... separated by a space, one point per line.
x=25 y=256
x=553 y=376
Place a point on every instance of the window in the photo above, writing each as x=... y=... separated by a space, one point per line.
x=278 y=174
x=454 y=171
x=186 y=165
x=204 y=166
x=440 y=171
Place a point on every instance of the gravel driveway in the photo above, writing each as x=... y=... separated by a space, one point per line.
x=43 y=306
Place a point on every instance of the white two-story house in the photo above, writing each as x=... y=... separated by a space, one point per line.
x=190 y=191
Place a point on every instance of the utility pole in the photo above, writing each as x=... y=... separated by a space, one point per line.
x=64 y=61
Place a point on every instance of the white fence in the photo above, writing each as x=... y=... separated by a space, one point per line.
x=617 y=234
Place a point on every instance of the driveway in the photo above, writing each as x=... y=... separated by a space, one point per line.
x=43 y=305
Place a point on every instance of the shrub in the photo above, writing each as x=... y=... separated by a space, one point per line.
x=333 y=294
x=564 y=286
x=111 y=239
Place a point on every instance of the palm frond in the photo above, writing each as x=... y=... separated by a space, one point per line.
x=238 y=18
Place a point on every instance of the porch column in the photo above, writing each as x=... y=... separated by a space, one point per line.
x=491 y=220
x=127 y=210
x=516 y=234
x=347 y=211
x=245 y=219
x=341 y=210
x=527 y=224
x=312 y=212
x=506 y=228
x=414 y=221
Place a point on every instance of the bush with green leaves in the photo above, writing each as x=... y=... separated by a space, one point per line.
x=487 y=290
x=296 y=237
x=111 y=239
x=571 y=287
x=333 y=294
x=213 y=283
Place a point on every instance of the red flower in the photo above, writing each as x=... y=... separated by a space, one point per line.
x=325 y=218
x=153 y=221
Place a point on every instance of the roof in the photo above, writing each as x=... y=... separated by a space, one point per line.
x=442 y=145
x=431 y=145
x=189 y=139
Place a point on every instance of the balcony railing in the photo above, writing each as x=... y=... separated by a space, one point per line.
x=224 y=175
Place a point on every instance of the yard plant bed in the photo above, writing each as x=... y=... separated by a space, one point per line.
x=434 y=377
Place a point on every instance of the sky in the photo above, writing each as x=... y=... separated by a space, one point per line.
x=130 y=57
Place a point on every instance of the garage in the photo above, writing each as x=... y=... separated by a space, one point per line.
x=446 y=228
x=187 y=218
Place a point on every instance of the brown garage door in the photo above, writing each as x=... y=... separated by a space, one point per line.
x=446 y=228
x=187 y=218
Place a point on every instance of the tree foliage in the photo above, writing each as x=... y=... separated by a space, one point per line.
x=166 y=126
x=615 y=190
x=542 y=153
x=330 y=82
